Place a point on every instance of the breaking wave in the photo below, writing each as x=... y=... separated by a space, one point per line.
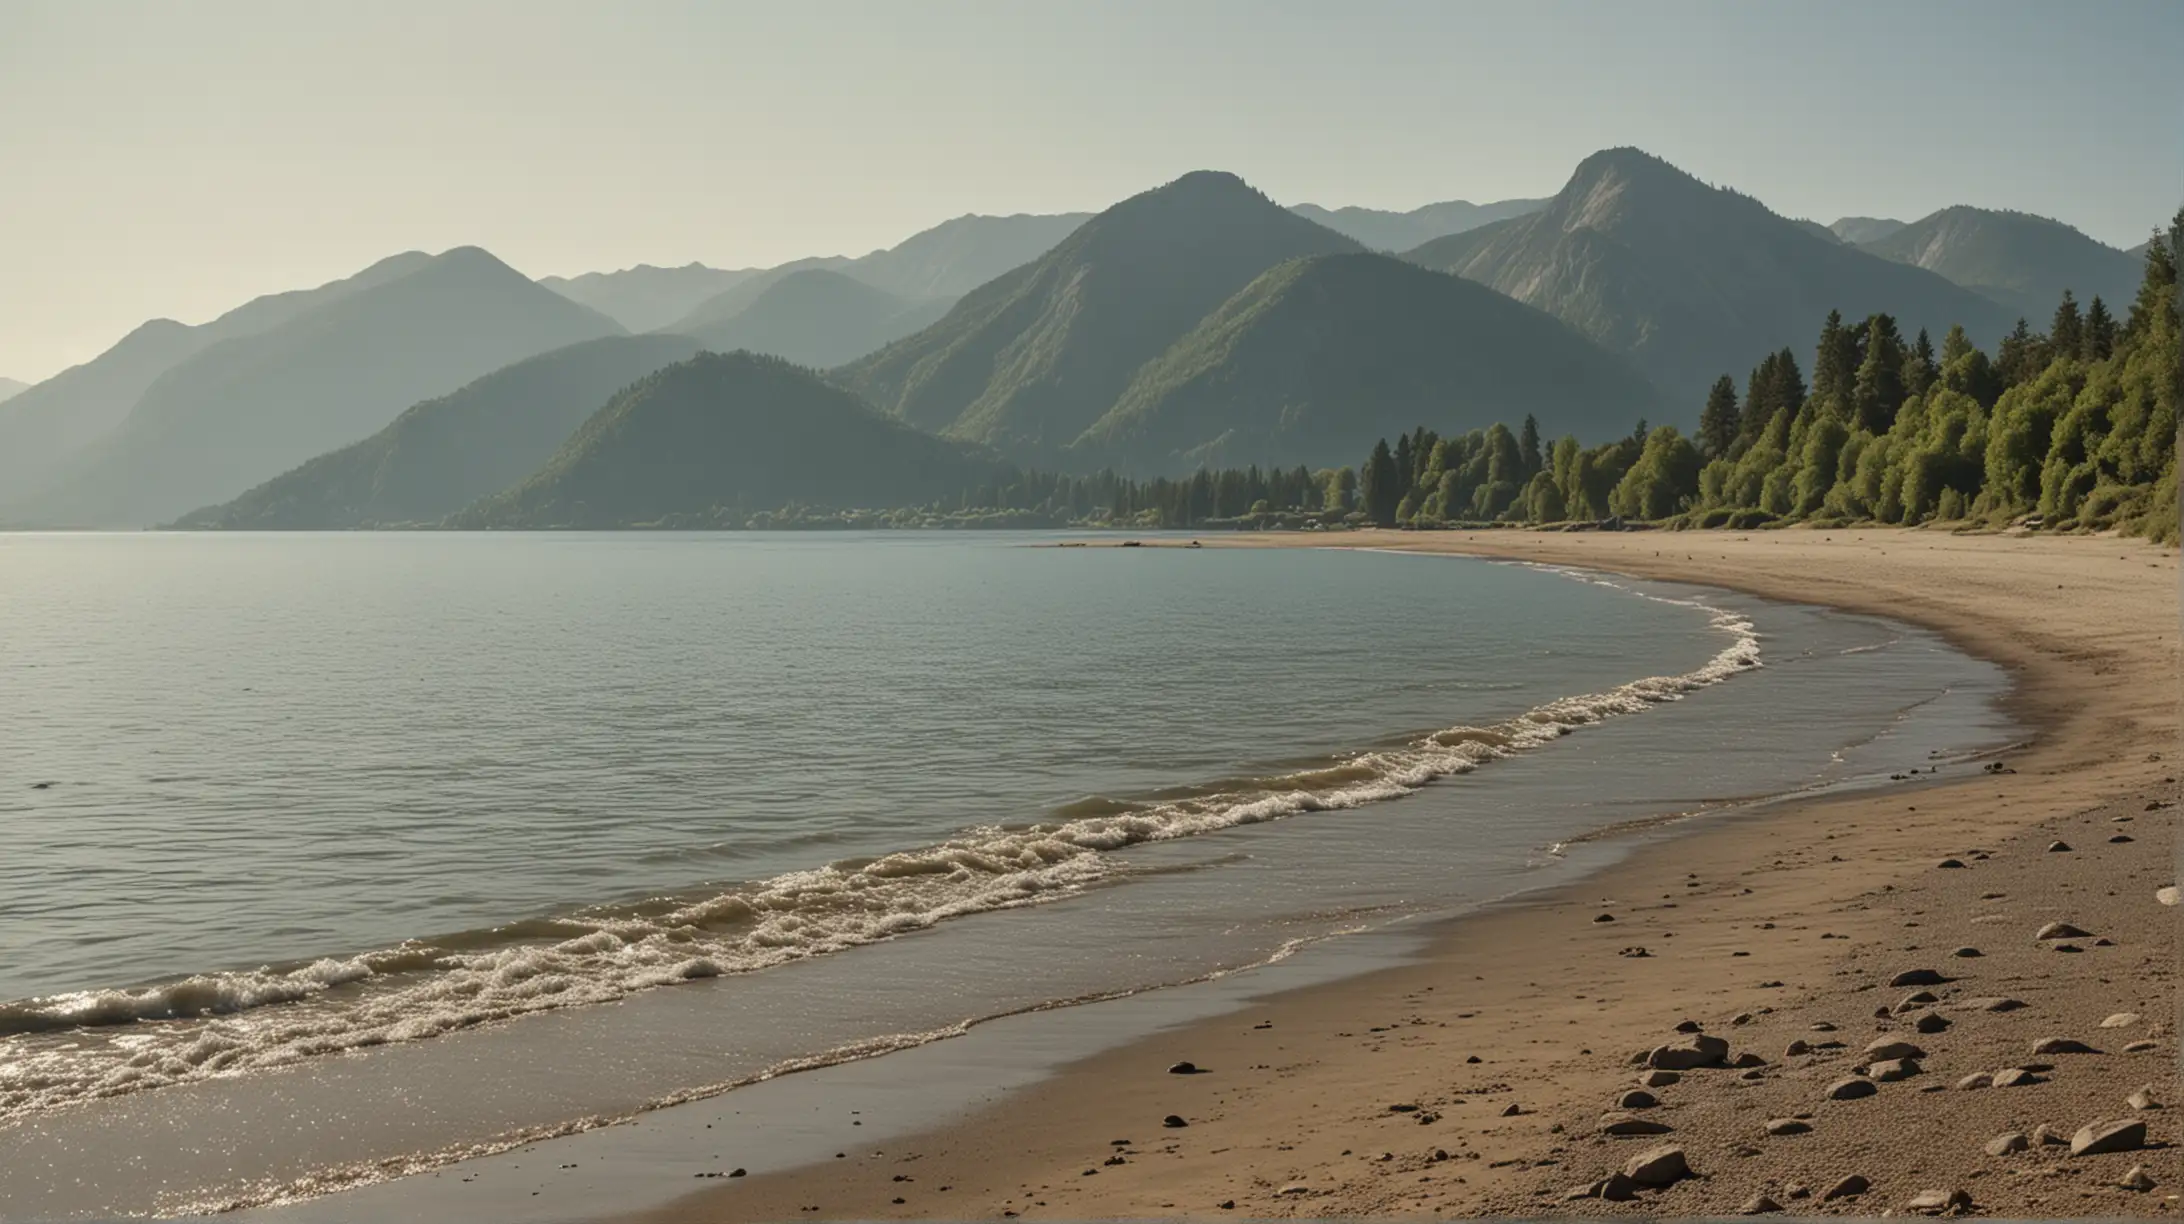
x=230 y=1023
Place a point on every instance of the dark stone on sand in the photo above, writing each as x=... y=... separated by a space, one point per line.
x=1511 y=1110
x=1697 y=1050
x=2016 y=1077
x=2058 y=847
x=1687 y=1026
x=1893 y=1069
x=1918 y=977
x=2060 y=930
x=739 y=1173
x=1851 y=1088
x=1880 y=1049
x=1661 y=1166
x=1799 y=1046
x=1184 y=1068
x=1967 y=953
x=2099 y=1138
x=2120 y=838
x=1788 y=1126
x=1605 y=918
x=1759 y=1206
x=2063 y=1045
x=1172 y=1121
x=1621 y=1125
x=1950 y=863
x=1658 y=1079
x=1846 y=1188
x=1930 y=1022
x=1474 y=1058
x=1637 y=1098
x=1747 y=1060
x=1992 y=1004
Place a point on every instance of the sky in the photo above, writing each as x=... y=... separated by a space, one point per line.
x=174 y=160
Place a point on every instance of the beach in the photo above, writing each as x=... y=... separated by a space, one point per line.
x=1486 y=1077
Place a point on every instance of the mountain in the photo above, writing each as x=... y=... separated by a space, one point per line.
x=446 y=453
x=2020 y=261
x=955 y=257
x=2139 y=252
x=645 y=298
x=740 y=432
x=818 y=318
x=1858 y=231
x=249 y=408
x=1401 y=231
x=1817 y=230
x=10 y=388
x=1317 y=358
x=1691 y=281
x=1028 y=360
x=42 y=428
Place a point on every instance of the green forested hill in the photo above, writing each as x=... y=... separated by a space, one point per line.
x=2021 y=261
x=816 y=317
x=1318 y=357
x=735 y=432
x=1027 y=361
x=445 y=453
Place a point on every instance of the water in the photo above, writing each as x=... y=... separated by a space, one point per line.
x=266 y=799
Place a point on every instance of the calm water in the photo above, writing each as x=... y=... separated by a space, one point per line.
x=269 y=798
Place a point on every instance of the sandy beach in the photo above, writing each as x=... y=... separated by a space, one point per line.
x=1493 y=1077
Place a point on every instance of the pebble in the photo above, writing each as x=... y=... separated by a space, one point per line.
x=1687 y=1026
x=1788 y=1126
x=1658 y=1079
x=1605 y=918
x=2060 y=930
x=2015 y=1077
x=2138 y=1047
x=1881 y=1049
x=1511 y=1110
x=2004 y=1145
x=2136 y=1179
x=1697 y=1050
x=2058 y=847
x=2063 y=1045
x=1991 y=1004
x=1930 y=1022
x=2121 y=1020
x=1823 y=1027
x=1637 y=1098
x=1759 y=1206
x=2120 y=839
x=2097 y=1138
x=1172 y=1121
x=1851 y=1089
x=2143 y=1099
x=1183 y=1068
x=1967 y=952
x=1624 y=1124
x=1934 y=1202
x=2167 y=895
x=2047 y=1136
x=1799 y=1046
x=1849 y=1186
x=1661 y=1166
x=1949 y=863
x=1890 y=1070
x=1977 y=1079
x=1918 y=977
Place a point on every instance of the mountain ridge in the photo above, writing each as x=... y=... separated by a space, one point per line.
x=2019 y=260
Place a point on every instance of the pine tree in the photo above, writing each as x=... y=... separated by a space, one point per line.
x=2014 y=360
x=1831 y=375
x=2066 y=335
x=1919 y=369
x=1381 y=486
x=1404 y=468
x=2157 y=292
x=2100 y=332
x=1877 y=393
x=1719 y=420
x=1954 y=345
x=1528 y=446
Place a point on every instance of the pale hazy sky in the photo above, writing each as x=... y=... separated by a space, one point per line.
x=162 y=158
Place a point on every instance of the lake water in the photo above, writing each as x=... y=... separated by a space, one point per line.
x=283 y=807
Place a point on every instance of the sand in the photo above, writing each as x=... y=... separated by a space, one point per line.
x=1478 y=1081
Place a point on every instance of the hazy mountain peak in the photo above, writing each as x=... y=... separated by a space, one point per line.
x=2018 y=259
x=1860 y=230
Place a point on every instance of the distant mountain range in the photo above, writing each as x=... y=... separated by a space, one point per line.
x=10 y=388
x=738 y=432
x=1028 y=361
x=1320 y=357
x=2020 y=261
x=446 y=453
x=817 y=318
x=1400 y=231
x=645 y=298
x=247 y=408
x=1691 y=281
x=1860 y=230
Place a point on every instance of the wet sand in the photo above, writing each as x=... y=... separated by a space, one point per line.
x=1480 y=1079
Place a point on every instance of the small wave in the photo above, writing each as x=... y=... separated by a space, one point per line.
x=234 y=1022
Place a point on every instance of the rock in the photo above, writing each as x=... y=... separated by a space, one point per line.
x=1950 y=864
x=1991 y=1003
x=2120 y=839
x=1605 y=918
x=2168 y=895
x=1797 y=1047
x=2143 y=1099
x=1697 y=1050
x=1618 y=1188
x=1183 y=1068
x=1918 y=977
x=1846 y=1188
x=1172 y=1121
x=2004 y=1145
x=1890 y=1070
x=1822 y=1027
x=2058 y=847
x=2060 y=930
x=2016 y=1077
x=1226 y=1205
x=1930 y=1022
x=1658 y=1079
x=2138 y=1047
x=2121 y=1020
x=1623 y=1126
x=1687 y=1026
x=2063 y=1045
x=740 y=1173
x=1637 y=1098
x=1881 y=1049
x=1977 y=1079
x=2098 y=1138
x=2136 y=1179
x=1294 y=1189
x=1967 y=952
x=2044 y=1135
x=1934 y=1202
x=1916 y=1000
x=1511 y=1110
x=1788 y=1126
x=1851 y=1089
x=1759 y=1206
x=1661 y=1166
x=1747 y=1059
x=1590 y=1190
x=1797 y=1190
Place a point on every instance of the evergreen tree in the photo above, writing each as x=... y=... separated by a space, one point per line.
x=1831 y=374
x=2100 y=332
x=1878 y=390
x=1528 y=446
x=2017 y=356
x=1954 y=345
x=1381 y=487
x=2066 y=335
x=1405 y=471
x=2157 y=292
x=1719 y=420
x=1920 y=370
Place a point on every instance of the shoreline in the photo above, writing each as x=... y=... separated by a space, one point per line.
x=1262 y=1140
